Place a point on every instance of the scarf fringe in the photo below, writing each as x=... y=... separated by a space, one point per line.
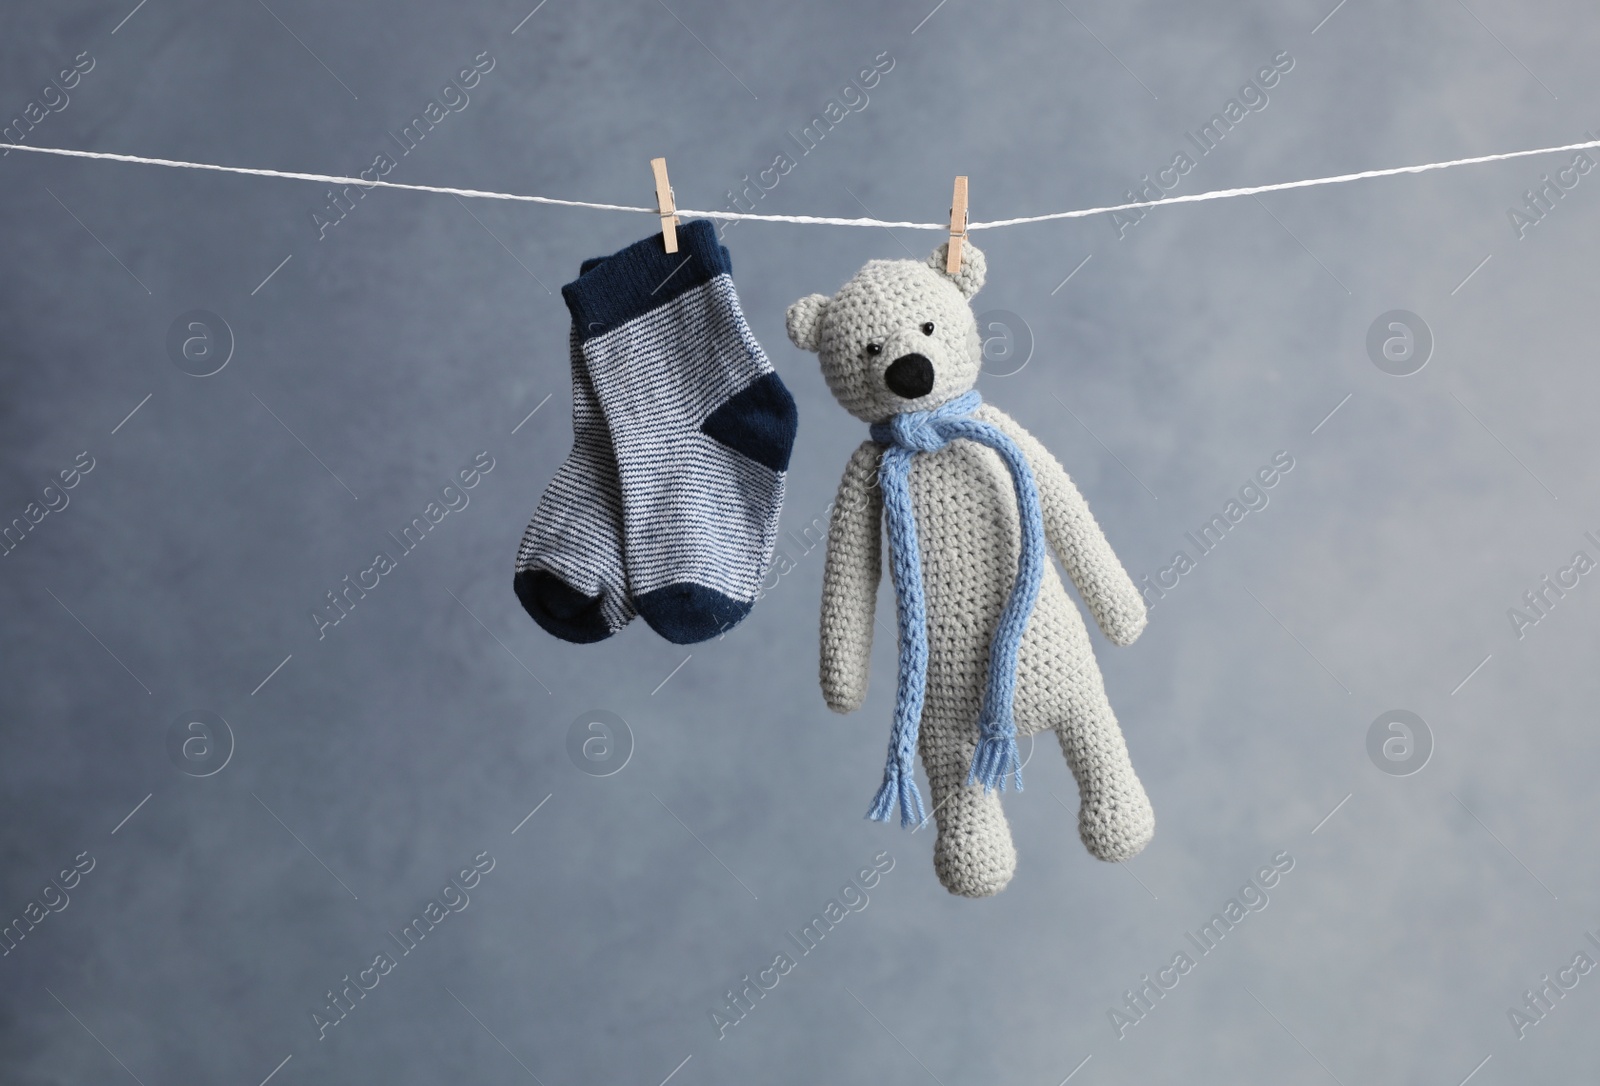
x=995 y=757
x=898 y=786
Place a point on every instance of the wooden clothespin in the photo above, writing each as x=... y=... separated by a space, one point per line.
x=958 y=226
x=666 y=205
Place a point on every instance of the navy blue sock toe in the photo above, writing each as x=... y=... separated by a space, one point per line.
x=561 y=609
x=688 y=613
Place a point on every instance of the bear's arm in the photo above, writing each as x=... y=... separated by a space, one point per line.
x=850 y=577
x=1085 y=554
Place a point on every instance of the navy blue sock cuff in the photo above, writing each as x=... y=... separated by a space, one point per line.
x=643 y=277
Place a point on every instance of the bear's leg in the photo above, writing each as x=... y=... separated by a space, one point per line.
x=1115 y=820
x=973 y=856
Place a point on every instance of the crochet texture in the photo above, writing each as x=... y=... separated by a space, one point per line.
x=970 y=542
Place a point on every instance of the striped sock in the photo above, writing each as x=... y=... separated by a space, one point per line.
x=570 y=575
x=701 y=425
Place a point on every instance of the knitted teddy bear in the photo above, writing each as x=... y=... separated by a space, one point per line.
x=990 y=644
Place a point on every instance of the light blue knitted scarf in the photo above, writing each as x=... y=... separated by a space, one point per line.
x=996 y=755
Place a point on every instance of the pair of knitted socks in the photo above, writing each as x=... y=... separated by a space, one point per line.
x=668 y=504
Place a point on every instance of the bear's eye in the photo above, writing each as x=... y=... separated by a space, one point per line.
x=927 y=328
x=874 y=348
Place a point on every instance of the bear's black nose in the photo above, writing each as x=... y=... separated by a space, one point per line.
x=909 y=376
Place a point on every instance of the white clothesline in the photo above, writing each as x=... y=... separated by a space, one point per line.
x=811 y=220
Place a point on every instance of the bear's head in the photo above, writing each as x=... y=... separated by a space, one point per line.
x=899 y=336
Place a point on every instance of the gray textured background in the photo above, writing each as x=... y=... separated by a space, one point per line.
x=427 y=725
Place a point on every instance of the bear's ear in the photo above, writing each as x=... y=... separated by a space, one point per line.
x=804 y=321
x=969 y=280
